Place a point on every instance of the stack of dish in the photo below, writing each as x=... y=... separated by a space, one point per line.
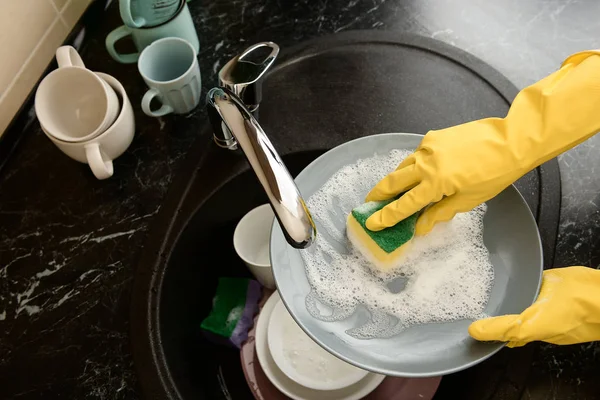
x=280 y=361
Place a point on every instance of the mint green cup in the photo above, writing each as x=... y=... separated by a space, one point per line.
x=169 y=66
x=180 y=25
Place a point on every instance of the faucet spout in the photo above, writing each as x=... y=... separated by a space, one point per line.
x=228 y=114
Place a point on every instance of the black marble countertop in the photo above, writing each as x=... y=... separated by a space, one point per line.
x=69 y=243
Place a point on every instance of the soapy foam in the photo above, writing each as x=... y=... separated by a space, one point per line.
x=448 y=272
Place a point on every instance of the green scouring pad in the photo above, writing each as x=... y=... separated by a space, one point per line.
x=382 y=248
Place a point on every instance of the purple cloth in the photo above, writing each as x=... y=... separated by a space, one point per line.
x=244 y=324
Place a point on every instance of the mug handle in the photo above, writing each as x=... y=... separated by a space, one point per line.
x=150 y=94
x=125 y=11
x=113 y=38
x=67 y=56
x=102 y=169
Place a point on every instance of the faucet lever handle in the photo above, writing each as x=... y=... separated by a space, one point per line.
x=243 y=77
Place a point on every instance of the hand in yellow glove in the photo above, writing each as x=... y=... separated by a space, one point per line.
x=460 y=167
x=567 y=311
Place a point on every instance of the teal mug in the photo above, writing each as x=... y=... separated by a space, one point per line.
x=180 y=25
x=148 y=13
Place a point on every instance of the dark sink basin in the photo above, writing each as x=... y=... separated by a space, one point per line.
x=190 y=247
x=319 y=95
x=184 y=363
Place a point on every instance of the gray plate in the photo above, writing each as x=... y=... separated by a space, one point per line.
x=510 y=234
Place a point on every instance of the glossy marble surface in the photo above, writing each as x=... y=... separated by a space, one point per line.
x=69 y=243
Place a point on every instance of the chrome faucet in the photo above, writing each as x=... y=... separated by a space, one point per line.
x=230 y=109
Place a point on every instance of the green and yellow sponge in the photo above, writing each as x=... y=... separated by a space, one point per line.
x=382 y=248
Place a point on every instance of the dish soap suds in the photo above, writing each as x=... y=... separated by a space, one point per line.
x=447 y=275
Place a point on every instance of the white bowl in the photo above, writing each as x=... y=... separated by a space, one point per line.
x=303 y=360
x=287 y=386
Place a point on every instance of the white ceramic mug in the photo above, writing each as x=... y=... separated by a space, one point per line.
x=100 y=151
x=170 y=68
x=72 y=103
x=251 y=240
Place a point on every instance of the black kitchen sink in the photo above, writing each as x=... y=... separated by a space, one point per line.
x=318 y=95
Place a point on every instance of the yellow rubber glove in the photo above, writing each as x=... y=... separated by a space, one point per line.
x=460 y=167
x=567 y=311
